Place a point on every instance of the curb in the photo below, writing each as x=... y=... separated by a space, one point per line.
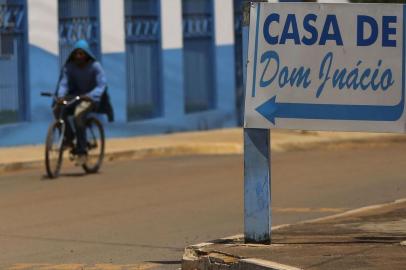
x=143 y=153
x=184 y=149
x=177 y=150
x=195 y=258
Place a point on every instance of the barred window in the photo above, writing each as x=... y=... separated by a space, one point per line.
x=198 y=55
x=6 y=45
x=142 y=28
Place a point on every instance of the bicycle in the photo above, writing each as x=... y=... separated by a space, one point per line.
x=56 y=140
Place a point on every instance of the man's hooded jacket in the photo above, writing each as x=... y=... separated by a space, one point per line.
x=89 y=80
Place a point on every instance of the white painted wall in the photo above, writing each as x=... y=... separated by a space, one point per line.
x=224 y=22
x=172 y=59
x=43 y=24
x=112 y=26
x=171 y=24
x=43 y=55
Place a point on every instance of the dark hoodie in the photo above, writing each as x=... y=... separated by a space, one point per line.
x=89 y=80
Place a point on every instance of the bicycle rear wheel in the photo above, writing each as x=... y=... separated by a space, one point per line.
x=95 y=145
x=54 y=150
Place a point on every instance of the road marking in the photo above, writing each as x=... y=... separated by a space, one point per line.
x=268 y=264
x=308 y=210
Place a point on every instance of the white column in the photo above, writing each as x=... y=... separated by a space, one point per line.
x=112 y=26
x=224 y=52
x=112 y=21
x=43 y=24
x=43 y=55
x=171 y=24
x=172 y=58
x=224 y=22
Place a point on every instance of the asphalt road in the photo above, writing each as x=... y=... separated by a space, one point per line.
x=149 y=210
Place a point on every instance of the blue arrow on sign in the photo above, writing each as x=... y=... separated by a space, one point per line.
x=272 y=109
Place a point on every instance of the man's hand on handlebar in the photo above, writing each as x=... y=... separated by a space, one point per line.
x=60 y=101
x=63 y=100
x=86 y=98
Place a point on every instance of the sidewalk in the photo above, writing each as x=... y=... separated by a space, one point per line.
x=368 y=238
x=224 y=141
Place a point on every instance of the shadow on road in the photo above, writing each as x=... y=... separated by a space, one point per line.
x=67 y=175
x=165 y=262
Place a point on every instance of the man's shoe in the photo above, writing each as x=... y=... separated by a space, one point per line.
x=80 y=159
x=67 y=144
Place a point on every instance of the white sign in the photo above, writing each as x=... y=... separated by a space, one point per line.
x=326 y=67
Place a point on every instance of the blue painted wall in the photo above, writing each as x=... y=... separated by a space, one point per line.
x=44 y=72
x=172 y=84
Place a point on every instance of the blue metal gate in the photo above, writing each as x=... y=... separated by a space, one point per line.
x=198 y=51
x=239 y=86
x=78 y=19
x=13 y=61
x=143 y=60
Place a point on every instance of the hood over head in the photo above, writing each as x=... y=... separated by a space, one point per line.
x=84 y=46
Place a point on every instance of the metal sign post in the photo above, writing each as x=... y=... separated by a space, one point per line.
x=257 y=167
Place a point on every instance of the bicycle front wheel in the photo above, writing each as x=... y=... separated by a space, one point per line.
x=95 y=145
x=54 y=150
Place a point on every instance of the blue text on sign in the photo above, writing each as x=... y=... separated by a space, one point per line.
x=330 y=30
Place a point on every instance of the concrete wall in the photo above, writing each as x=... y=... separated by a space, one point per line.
x=43 y=51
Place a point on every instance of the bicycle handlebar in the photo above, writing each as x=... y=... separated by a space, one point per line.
x=65 y=101
x=47 y=94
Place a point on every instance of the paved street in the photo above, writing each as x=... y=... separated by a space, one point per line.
x=149 y=210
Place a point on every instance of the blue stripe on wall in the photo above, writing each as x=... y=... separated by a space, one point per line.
x=225 y=78
x=115 y=68
x=172 y=82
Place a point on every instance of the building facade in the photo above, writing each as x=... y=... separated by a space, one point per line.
x=171 y=65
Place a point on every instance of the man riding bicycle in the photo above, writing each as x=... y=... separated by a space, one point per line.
x=82 y=75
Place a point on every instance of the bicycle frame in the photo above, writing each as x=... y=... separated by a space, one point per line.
x=61 y=108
